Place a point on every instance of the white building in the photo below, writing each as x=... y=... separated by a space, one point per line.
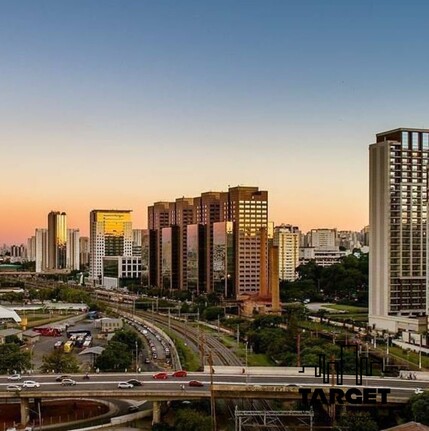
x=323 y=238
x=398 y=199
x=321 y=256
x=73 y=255
x=110 y=235
x=117 y=268
x=287 y=238
x=41 y=256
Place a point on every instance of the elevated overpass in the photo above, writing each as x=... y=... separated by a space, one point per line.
x=283 y=386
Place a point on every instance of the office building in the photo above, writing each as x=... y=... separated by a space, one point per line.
x=182 y=214
x=41 y=249
x=72 y=248
x=57 y=240
x=286 y=238
x=119 y=271
x=247 y=208
x=196 y=258
x=158 y=218
x=31 y=249
x=110 y=235
x=84 y=251
x=398 y=225
x=171 y=223
x=323 y=238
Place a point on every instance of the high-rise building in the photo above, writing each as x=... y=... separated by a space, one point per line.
x=145 y=257
x=158 y=218
x=323 y=238
x=84 y=251
x=73 y=255
x=223 y=266
x=182 y=214
x=57 y=240
x=398 y=198
x=207 y=213
x=286 y=238
x=41 y=250
x=196 y=258
x=172 y=224
x=110 y=235
x=31 y=249
x=247 y=208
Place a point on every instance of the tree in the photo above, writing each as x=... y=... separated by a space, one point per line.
x=418 y=408
x=360 y=421
x=212 y=313
x=191 y=420
x=127 y=337
x=115 y=357
x=60 y=362
x=12 y=358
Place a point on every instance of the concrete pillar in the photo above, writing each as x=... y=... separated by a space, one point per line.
x=25 y=411
x=156 y=412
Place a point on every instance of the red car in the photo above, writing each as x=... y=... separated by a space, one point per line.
x=160 y=376
x=196 y=383
x=180 y=373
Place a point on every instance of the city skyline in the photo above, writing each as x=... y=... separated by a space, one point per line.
x=120 y=104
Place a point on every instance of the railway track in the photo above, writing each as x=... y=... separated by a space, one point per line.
x=199 y=342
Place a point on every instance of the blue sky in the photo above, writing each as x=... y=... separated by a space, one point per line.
x=121 y=103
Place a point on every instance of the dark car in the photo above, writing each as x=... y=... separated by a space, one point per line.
x=196 y=383
x=135 y=382
x=132 y=409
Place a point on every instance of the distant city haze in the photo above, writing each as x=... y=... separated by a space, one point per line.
x=121 y=104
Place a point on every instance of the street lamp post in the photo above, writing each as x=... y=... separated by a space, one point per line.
x=137 y=356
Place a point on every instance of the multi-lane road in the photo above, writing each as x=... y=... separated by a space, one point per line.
x=107 y=384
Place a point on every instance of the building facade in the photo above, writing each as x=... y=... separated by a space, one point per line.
x=57 y=240
x=72 y=249
x=246 y=208
x=287 y=238
x=398 y=230
x=110 y=235
x=41 y=249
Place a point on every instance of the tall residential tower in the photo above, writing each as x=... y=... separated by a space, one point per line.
x=398 y=201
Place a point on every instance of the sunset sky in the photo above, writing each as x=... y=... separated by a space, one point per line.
x=117 y=104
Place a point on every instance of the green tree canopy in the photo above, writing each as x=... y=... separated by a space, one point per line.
x=12 y=358
x=129 y=338
x=115 y=357
x=60 y=362
x=360 y=421
x=192 y=420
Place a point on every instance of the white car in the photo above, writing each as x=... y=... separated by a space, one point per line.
x=125 y=385
x=14 y=377
x=68 y=382
x=30 y=384
x=13 y=388
x=418 y=391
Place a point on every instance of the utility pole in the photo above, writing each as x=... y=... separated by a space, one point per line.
x=298 y=349
x=238 y=335
x=137 y=356
x=212 y=397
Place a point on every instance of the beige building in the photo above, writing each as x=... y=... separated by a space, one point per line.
x=110 y=235
x=287 y=238
x=57 y=240
x=397 y=234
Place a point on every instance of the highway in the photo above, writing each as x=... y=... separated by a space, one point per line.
x=252 y=383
